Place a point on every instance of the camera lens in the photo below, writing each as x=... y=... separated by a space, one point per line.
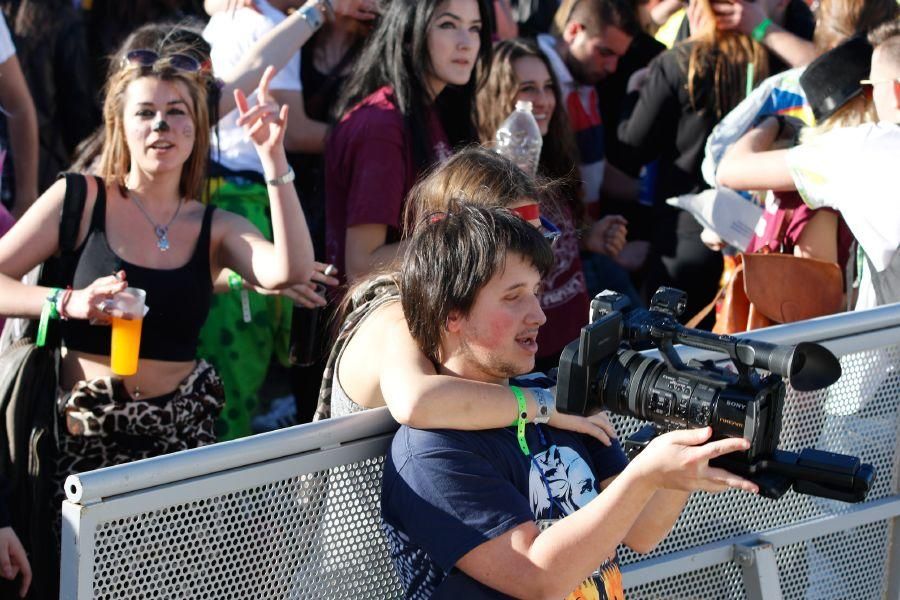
x=633 y=384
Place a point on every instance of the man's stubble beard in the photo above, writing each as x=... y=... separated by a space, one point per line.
x=579 y=73
x=491 y=365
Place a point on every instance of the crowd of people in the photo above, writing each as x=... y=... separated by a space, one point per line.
x=271 y=171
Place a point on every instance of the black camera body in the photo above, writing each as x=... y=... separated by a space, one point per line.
x=604 y=368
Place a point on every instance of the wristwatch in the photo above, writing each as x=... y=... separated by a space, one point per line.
x=286 y=178
x=546 y=405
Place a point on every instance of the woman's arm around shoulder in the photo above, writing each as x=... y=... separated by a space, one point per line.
x=418 y=396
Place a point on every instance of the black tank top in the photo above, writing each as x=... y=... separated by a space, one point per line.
x=178 y=299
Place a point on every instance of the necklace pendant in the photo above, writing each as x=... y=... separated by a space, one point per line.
x=162 y=234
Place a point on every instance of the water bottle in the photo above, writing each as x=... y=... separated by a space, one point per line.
x=519 y=138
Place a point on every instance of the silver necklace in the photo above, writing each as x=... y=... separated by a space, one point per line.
x=161 y=231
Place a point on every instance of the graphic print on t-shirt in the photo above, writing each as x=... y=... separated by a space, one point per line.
x=559 y=483
x=564 y=281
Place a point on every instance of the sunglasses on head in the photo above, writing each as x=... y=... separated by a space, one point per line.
x=530 y=212
x=149 y=59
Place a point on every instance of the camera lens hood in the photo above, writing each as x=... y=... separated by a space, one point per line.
x=807 y=366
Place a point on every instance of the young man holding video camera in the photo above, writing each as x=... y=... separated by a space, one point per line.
x=480 y=514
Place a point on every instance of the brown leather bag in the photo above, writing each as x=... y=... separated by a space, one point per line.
x=767 y=289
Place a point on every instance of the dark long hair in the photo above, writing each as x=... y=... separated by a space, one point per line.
x=396 y=55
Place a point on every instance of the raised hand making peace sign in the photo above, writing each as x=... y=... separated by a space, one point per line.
x=265 y=122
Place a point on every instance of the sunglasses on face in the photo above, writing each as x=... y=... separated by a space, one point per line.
x=149 y=59
x=868 y=85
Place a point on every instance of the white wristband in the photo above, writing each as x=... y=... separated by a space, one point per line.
x=546 y=405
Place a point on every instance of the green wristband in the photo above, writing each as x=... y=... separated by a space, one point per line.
x=521 y=419
x=235 y=281
x=759 y=32
x=47 y=312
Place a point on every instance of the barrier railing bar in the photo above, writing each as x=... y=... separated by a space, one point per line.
x=92 y=486
x=859 y=515
x=893 y=586
x=722 y=551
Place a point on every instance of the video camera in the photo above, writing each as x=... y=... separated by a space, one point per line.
x=602 y=368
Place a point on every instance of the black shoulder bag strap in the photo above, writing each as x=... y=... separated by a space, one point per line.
x=57 y=271
x=72 y=209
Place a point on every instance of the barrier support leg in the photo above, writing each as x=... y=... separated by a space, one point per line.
x=761 y=580
x=893 y=573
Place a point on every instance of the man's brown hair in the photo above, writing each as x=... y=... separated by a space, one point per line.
x=595 y=15
x=452 y=256
x=886 y=39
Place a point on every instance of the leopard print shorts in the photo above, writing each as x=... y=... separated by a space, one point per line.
x=101 y=425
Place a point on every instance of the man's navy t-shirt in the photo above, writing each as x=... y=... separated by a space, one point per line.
x=445 y=492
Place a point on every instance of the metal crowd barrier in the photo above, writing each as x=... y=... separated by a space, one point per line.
x=295 y=513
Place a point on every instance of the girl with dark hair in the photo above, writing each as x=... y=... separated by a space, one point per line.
x=672 y=108
x=409 y=100
x=520 y=71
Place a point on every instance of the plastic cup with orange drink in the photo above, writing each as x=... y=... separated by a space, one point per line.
x=126 y=330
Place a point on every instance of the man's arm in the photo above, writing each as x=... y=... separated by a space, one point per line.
x=656 y=520
x=526 y=563
x=15 y=99
x=277 y=47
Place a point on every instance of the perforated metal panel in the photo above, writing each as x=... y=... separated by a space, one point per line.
x=295 y=535
x=311 y=536
x=836 y=567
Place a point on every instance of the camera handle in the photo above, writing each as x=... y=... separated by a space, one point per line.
x=811 y=472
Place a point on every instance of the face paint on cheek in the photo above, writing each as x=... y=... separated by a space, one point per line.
x=188 y=131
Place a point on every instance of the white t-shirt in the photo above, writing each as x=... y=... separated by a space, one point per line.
x=7 y=49
x=855 y=170
x=232 y=34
